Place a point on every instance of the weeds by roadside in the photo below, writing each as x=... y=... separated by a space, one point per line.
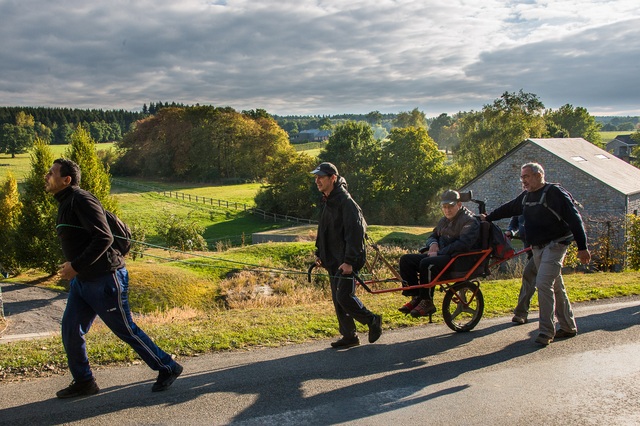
x=254 y=322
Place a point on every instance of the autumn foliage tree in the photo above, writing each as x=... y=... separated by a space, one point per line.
x=202 y=144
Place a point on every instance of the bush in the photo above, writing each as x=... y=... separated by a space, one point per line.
x=181 y=234
x=633 y=242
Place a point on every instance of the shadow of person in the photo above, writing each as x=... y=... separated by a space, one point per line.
x=321 y=386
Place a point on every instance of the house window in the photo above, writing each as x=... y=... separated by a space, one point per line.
x=578 y=159
x=602 y=157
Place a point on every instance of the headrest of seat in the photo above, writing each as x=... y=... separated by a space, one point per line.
x=466 y=196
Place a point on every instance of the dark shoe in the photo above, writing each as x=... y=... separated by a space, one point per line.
x=166 y=379
x=375 y=328
x=424 y=308
x=543 y=339
x=346 y=342
x=518 y=319
x=410 y=305
x=89 y=387
x=561 y=334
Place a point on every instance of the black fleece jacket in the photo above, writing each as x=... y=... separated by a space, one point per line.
x=341 y=230
x=540 y=223
x=84 y=233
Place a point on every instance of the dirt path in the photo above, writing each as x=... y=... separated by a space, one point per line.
x=30 y=311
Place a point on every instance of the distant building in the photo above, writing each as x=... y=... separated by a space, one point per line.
x=607 y=187
x=622 y=147
x=311 y=135
x=603 y=183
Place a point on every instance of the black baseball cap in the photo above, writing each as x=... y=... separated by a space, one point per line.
x=325 y=169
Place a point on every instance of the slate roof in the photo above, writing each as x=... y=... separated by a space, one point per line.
x=594 y=161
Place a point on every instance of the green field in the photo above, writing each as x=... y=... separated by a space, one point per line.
x=609 y=136
x=20 y=166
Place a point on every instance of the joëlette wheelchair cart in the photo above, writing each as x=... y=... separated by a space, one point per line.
x=463 y=303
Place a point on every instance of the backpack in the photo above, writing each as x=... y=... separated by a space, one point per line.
x=119 y=230
x=121 y=233
x=543 y=199
x=501 y=246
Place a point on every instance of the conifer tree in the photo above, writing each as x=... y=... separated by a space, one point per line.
x=39 y=246
x=9 y=218
x=95 y=176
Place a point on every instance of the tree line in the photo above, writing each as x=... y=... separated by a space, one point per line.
x=396 y=179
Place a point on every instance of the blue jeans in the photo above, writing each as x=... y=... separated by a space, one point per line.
x=107 y=297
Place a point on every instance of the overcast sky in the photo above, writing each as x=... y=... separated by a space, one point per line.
x=320 y=57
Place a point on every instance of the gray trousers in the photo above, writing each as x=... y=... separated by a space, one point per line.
x=552 y=295
x=528 y=288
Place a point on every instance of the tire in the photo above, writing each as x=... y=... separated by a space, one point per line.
x=463 y=306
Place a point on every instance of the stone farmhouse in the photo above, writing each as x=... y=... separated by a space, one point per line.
x=622 y=146
x=605 y=185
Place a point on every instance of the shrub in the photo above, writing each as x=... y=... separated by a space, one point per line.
x=181 y=234
x=633 y=242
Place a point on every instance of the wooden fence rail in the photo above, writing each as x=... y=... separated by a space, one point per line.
x=214 y=202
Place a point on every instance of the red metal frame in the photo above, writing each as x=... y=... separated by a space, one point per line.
x=482 y=256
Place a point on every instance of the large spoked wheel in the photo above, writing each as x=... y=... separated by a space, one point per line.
x=463 y=306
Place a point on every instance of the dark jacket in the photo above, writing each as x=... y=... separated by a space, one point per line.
x=84 y=233
x=540 y=222
x=516 y=227
x=458 y=235
x=341 y=230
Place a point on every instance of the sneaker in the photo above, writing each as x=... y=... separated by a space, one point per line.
x=346 y=342
x=561 y=334
x=424 y=308
x=88 y=387
x=410 y=305
x=166 y=379
x=543 y=339
x=375 y=328
x=519 y=320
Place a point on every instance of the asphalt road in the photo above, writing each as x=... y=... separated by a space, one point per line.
x=494 y=375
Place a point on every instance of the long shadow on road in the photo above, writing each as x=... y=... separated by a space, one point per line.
x=375 y=378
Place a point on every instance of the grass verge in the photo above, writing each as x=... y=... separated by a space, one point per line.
x=188 y=331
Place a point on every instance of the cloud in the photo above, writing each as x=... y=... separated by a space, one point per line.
x=319 y=57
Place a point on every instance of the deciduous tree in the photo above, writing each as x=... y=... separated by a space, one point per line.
x=415 y=118
x=577 y=122
x=412 y=172
x=487 y=135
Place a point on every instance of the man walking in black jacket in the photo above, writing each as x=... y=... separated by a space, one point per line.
x=98 y=283
x=551 y=223
x=340 y=248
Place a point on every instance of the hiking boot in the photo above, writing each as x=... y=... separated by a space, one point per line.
x=424 y=308
x=375 y=328
x=410 y=305
x=519 y=320
x=561 y=334
x=346 y=342
x=543 y=339
x=88 y=387
x=166 y=379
